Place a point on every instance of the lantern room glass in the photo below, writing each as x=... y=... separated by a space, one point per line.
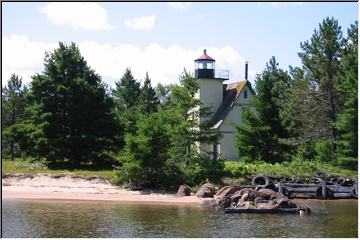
x=203 y=64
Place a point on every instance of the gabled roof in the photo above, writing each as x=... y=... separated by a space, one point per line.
x=232 y=92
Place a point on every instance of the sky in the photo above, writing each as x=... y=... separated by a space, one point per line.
x=162 y=38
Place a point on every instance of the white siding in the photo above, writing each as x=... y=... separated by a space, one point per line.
x=228 y=128
x=211 y=93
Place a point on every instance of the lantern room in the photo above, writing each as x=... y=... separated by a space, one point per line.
x=205 y=66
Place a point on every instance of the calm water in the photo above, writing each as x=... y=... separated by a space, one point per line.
x=21 y=218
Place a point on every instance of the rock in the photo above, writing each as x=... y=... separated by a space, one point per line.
x=270 y=194
x=223 y=202
x=206 y=191
x=249 y=194
x=263 y=199
x=245 y=205
x=183 y=191
x=236 y=196
x=226 y=191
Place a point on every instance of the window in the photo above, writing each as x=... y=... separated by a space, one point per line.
x=245 y=93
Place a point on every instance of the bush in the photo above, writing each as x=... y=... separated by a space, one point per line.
x=297 y=168
x=203 y=170
x=324 y=151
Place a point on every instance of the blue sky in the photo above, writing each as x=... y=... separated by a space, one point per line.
x=163 y=38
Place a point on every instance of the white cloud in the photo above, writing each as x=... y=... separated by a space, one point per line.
x=141 y=23
x=164 y=64
x=86 y=16
x=179 y=5
x=22 y=56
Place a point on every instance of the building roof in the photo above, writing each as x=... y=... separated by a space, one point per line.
x=231 y=93
x=205 y=57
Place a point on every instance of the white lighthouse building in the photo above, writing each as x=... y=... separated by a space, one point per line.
x=226 y=102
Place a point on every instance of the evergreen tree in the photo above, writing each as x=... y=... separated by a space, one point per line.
x=72 y=122
x=148 y=101
x=262 y=134
x=318 y=100
x=126 y=96
x=347 y=119
x=12 y=111
x=127 y=91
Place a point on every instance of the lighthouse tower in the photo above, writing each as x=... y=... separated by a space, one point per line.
x=211 y=87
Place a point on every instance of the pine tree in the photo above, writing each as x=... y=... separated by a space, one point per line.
x=126 y=96
x=262 y=134
x=148 y=101
x=347 y=119
x=127 y=91
x=318 y=99
x=72 y=122
x=13 y=108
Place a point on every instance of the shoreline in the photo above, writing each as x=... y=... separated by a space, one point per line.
x=69 y=187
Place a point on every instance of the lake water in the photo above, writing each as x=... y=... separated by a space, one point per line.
x=61 y=219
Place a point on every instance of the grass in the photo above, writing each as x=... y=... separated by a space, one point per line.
x=237 y=172
x=26 y=166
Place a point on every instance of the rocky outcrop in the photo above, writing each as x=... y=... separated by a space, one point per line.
x=262 y=199
x=206 y=191
x=183 y=191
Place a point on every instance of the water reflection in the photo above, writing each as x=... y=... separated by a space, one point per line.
x=104 y=219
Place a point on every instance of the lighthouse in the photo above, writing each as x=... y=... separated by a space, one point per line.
x=225 y=101
x=211 y=82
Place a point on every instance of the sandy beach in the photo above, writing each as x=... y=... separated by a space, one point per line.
x=69 y=187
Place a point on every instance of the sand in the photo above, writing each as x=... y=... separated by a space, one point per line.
x=69 y=187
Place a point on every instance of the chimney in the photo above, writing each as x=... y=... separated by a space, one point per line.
x=246 y=70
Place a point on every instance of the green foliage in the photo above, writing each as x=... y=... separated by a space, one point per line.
x=146 y=152
x=323 y=96
x=13 y=106
x=297 y=168
x=148 y=101
x=317 y=103
x=163 y=92
x=71 y=120
x=324 y=150
x=250 y=135
x=260 y=135
x=127 y=92
x=126 y=96
x=347 y=119
x=201 y=170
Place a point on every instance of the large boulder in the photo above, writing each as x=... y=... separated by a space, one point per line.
x=206 y=191
x=183 y=191
x=226 y=191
